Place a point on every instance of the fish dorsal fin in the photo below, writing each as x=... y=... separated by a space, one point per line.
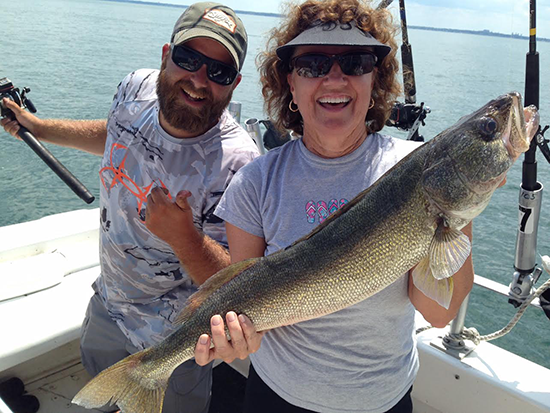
x=212 y=284
x=448 y=251
x=441 y=291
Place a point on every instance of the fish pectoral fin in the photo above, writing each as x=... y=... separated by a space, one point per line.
x=448 y=251
x=212 y=284
x=441 y=291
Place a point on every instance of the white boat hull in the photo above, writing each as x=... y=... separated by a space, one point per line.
x=41 y=320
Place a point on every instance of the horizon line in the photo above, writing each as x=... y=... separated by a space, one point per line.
x=484 y=32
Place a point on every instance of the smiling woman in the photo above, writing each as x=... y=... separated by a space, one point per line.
x=333 y=106
x=330 y=75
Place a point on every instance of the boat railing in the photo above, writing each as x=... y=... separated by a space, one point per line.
x=461 y=341
x=499 y=288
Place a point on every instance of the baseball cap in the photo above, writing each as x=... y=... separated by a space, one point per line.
x=333 y=34
x=215 y=21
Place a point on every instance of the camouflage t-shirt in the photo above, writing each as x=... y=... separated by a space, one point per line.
x=142 y=282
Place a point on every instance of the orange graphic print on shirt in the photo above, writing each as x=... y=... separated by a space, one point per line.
x=119 y=175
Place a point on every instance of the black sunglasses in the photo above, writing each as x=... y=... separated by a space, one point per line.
x=191 y=60
x=318 y=64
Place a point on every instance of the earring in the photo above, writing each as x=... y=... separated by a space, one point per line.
x=291 y=108
x=371 y=103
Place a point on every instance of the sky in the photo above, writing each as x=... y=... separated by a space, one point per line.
x=503 y=16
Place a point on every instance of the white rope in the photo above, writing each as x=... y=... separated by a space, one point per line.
x=477 y=338
x=473 y=334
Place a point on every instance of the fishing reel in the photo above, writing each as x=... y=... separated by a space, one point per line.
x=273 y=137
x=7 y=90
x=521 y=286
x=542 y=142
x=408 y=117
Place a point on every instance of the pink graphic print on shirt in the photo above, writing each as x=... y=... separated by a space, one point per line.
x=320 y=211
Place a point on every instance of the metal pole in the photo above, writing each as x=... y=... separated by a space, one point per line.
x=530 y=197
x=457 y=325
x=252 y=126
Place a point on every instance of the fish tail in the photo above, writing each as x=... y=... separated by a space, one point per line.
x=121 y=384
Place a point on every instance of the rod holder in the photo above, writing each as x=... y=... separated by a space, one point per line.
x=252 y=126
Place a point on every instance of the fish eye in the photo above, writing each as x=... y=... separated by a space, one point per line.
x=487 y=126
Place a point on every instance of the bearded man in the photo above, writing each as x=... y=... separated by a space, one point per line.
x=169 y=148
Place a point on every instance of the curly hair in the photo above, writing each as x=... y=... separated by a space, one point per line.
x=273 y=71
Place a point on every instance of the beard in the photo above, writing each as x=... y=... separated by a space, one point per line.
x=178 y=114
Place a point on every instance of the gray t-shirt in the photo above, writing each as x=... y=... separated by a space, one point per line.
x=362 y=358
x=142 y=282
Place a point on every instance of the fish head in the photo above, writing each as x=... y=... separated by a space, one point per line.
x=468 y=161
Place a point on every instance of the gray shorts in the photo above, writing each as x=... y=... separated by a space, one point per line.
x=102 y=344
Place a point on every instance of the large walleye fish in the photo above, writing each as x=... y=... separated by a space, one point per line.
x=410 y=217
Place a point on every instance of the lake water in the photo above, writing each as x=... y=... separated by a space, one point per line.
x=73 y=53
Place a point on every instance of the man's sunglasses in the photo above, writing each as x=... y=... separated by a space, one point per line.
x=318 y=64
x=191 y=60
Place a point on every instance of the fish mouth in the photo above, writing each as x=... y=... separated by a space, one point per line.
x=521 y=128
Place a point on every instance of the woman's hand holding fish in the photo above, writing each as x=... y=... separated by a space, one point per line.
x=244 y=340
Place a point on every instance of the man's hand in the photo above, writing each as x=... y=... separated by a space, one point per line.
x=244 y=340
x=170 y=220
x=22 y=118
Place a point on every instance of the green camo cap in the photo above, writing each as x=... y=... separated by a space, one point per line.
x=215 y=21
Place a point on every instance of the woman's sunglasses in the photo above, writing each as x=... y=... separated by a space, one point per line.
x=318 y=64
x=191 y=60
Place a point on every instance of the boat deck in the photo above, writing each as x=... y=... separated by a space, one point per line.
x=55 y=391
x=47 y=268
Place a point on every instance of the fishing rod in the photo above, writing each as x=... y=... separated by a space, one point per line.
x=7 y=90
x=409 y=83
x=384 y=4
x=407 y=116
x=530 y=197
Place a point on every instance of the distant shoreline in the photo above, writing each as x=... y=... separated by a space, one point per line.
x=436 y=29
x=153 y=3
x=463 y=31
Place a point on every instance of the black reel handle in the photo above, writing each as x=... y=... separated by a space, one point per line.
x=66 y=176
